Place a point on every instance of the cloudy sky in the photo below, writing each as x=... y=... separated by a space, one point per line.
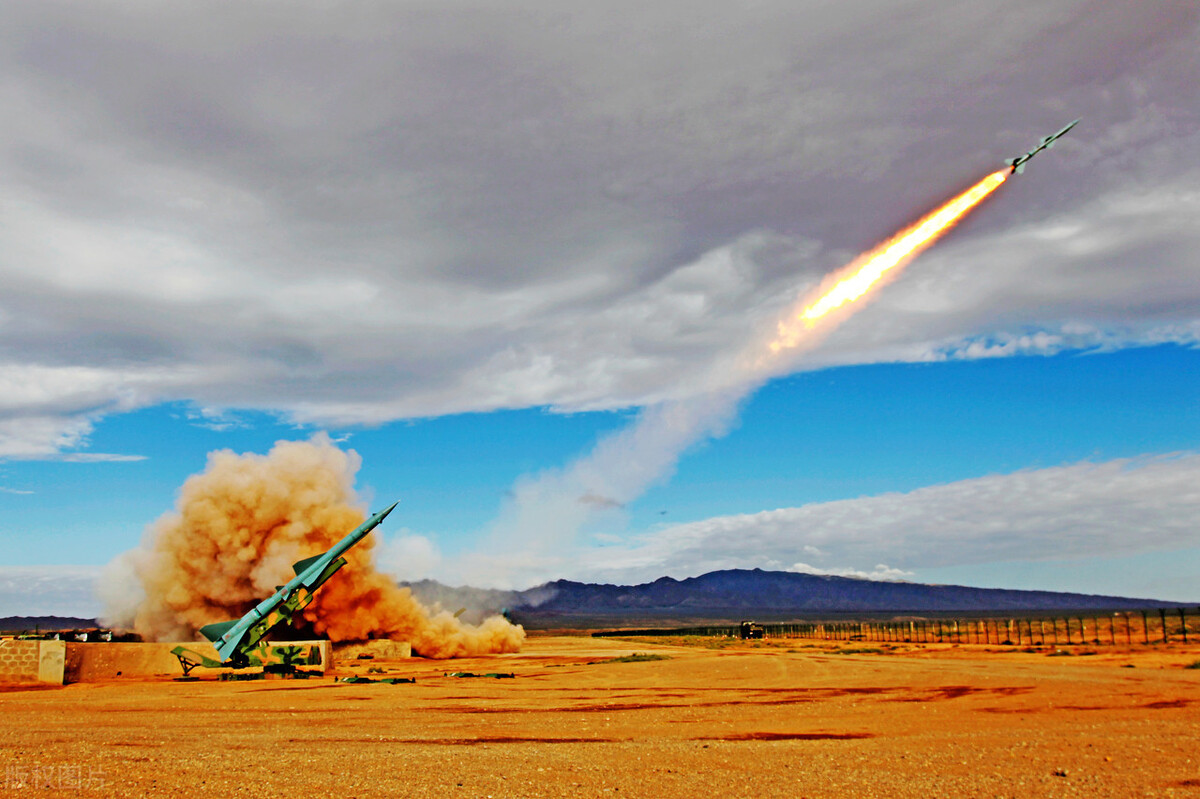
x=489 y=245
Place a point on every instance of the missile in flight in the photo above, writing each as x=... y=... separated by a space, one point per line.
x=1018 y=163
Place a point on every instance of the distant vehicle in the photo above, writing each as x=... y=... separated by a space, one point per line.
x=1018 y=163
x=749 y=629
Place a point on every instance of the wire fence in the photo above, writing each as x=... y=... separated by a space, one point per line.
x=1121 y=628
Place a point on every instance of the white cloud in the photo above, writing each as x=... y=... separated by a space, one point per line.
x=881 y=572
x=49 y=591
x=601 y=211
x=1076 y=511
x=218 y=420
x=407 y=557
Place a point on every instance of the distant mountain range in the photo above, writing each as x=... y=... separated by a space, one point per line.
x=24 y=624
x=739 y=593
x=720 y=596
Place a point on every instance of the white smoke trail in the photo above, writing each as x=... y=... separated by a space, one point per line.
x=537 y=535
x=533 y=539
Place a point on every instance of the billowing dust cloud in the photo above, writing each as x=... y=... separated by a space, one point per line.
x=237 y=529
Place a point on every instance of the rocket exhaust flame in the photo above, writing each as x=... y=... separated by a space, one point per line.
x=869 y=270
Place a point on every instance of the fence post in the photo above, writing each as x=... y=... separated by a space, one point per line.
x=1182 y=624
x=1162 y=614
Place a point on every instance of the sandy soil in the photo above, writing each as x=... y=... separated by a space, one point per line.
x=780 y=718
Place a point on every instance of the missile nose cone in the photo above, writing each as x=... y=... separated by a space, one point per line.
x=384 y=515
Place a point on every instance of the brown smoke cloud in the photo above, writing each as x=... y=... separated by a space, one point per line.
x=237 y=529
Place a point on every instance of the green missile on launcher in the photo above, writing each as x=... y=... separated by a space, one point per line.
x=238 y=639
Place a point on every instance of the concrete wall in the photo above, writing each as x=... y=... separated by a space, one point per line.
x=93 y=662
x=32 y=661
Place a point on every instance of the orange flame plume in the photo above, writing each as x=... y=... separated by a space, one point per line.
x=865 y=272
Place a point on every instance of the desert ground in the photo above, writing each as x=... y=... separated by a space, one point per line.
x=728 y=718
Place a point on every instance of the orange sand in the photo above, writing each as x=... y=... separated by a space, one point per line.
x=779 y=718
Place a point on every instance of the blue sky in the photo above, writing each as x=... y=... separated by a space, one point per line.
x=516 y=261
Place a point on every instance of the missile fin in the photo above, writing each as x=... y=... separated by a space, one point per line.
x=214 y=631
x=302 y=566
x=316 y=582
